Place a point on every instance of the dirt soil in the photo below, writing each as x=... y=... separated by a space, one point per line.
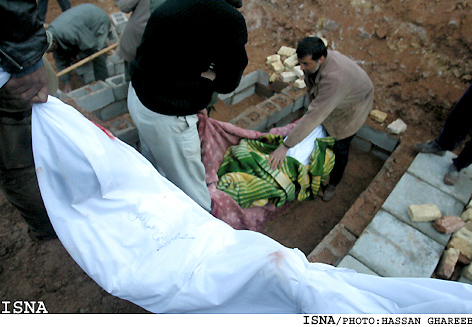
x=418 y=55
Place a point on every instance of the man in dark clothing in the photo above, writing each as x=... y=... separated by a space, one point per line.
x=455 y=130
x=21 y=55
x=190 y=49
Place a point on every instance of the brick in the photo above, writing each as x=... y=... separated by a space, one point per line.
x=467 y=272
x=467 y=215
x=277 y=66
x=424 y=212
x=462 y=241
x=322 y=255
x=298 y=71
x=300 y=83
x=378 y=116
x=288 y=77
x=291 y=62
x=272 y=58
x=448 y=262
x=286 y=51
x=449 y=224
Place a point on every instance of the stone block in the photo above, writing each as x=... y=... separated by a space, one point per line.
x=378 y=116
x=467 y=272
x=263 y=77
x=397 y=127
x=118 y=63
x=119 y=85
x=226 y=98
x=110 y=68
x=113 y=110
x=361 y=144
x=119 y=20
x=88 y=77
x=85 y=68
x=449 y=224
x=424 y=212
x=273 y=77
x=448 y=262
x=298 y=71
x=94 y=96
x=392 y=248
x=350 y=262
x=277 y=107
x=247 y=81
x=380 y=153
x=286 y=51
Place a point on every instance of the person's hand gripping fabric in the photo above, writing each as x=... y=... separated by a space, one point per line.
x=278 y=156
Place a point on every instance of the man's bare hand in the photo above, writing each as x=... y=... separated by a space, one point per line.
x=277 y=157
x=210 y=74
x=31 y=87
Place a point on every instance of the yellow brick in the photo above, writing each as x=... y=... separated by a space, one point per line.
x=424 y=212
x=278 y=66
x=378 y=116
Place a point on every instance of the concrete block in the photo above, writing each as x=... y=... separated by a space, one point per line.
x=412 y=190
x=94 y=96
x=361 y=144
x=119 y=20
x=392 y=248
x=380 y=153
x=226 y=98
x=247 y=81
x=125 y=131
x=88 y=77
x=110 y=68
x=85 y=68
x=397 y=127
x=113 y=110
x=119 y=64
x=277 y=107
x=350 y=262
x=297 y=95
x=288 y=119
x=263 y=77
x=424 y=212
x=252 y=118
x=119 y=85
x=286 y=51
x=243 y=94
x=431 y=169
x=449 y=224
x=382 y=140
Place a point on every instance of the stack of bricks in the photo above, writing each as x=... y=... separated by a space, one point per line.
x=285 y=67
x=459 y=247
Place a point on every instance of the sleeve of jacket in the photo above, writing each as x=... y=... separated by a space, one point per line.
x=127 y=6
x=21 y=47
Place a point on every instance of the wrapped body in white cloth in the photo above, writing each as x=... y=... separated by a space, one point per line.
x=144 y=240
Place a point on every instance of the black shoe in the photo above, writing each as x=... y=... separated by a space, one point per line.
x=430 y=147
x=37 y=237
x=329 y=193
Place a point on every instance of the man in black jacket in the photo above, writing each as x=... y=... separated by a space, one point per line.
x=22 y=46
x=190 y=49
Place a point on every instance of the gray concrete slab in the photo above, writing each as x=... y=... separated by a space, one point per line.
x=392 y=248
x=431 y=169
x=354 y=264
x=412 y=190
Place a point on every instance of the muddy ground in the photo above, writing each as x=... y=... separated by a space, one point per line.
x=418 y=55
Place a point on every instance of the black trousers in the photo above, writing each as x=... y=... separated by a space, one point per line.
x=341 y=153
x=456 y=128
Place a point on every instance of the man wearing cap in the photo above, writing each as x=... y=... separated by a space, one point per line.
x=76 y=34
x=341 y=95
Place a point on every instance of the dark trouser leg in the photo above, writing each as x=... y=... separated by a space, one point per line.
x=464 y=159
x=42 y=9
x=64 y=4
x=457 y=125
x=100 y=69
x=341 y=152
x=17 y=172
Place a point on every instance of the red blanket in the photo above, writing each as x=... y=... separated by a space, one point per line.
x=216 y=137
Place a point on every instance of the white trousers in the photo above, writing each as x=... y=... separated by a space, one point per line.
x=172 y=145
